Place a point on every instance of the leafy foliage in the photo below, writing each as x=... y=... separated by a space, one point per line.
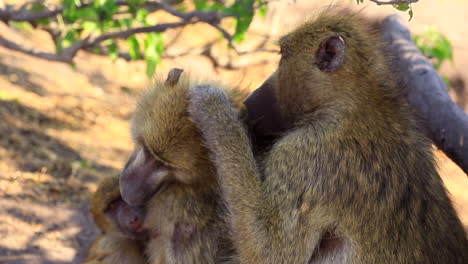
x=81 y=19
x=242 y=10
x=434 y=45
x=123 y=28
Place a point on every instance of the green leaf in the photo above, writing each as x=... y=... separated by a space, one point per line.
x=113 y=50
x=99 y=3
x=25 y=26
x=242 y=24
x=410 y=12
x=200 y=4
x=69 y=10
x=68 y=3
x=262 y=10
x=141 y=15
x=111 y=6
x=245 y=13
x=217 y=6
x=87 y=13
x=154 y=48
x=70 y=37
x=128 y=22
x=151 y=66
x=402 y=7
x=105 y=8
x=133 y=6
x=97 y=50
x=43 y=21
x=89 y=26
x=446 y=46
x=160 y=44
x=134 y=47
x=135 y=2
x=109 y=25
x=153 y=44
x=435 y=46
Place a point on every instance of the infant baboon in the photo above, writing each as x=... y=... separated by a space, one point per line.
x=122 y=235
x=349 y=179
x=171 y=173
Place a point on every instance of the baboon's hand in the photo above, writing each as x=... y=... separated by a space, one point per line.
x=209 y=107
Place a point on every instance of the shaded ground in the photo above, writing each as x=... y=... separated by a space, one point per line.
x=61 y=130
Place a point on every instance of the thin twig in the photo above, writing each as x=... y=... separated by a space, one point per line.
x=227 y=36
x=212 y=18
x=126 y=33
x=44 y=55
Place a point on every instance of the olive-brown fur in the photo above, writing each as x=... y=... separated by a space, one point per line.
x=351 y=181
x=185 y=218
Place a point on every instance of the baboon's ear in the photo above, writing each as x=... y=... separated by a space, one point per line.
x=331 y=52
x=173 y=77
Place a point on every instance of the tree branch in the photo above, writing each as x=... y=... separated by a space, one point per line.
x=126 y=33
x=8 y=13
x=213 y=18
x=394 y=2
x=68 y=53
x=447 y=124
x=33 y=52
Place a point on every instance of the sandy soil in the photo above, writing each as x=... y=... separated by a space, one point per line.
x=63 y=129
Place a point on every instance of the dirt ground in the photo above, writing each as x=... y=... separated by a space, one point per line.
x=64 y=129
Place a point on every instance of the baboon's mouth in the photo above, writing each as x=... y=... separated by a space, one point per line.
x=263 y=114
